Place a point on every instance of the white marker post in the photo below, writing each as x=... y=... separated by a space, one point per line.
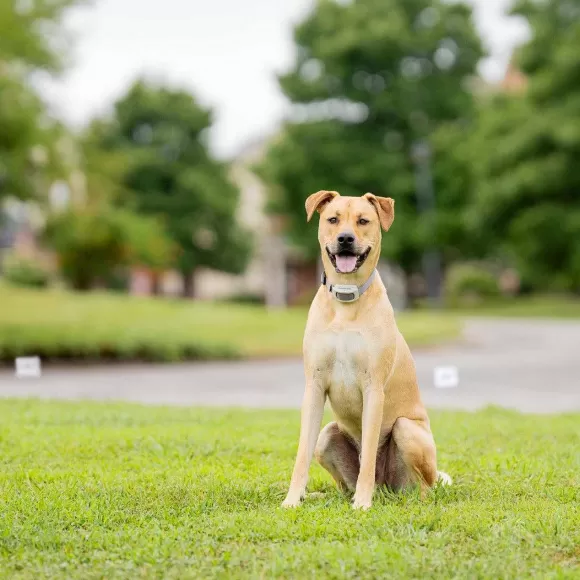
x=28 y=367
x=446 y=377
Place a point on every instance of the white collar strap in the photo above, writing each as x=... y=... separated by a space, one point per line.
x=348 y=292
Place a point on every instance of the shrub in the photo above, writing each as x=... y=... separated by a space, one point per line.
x=468 y=284
x=71 y=343
x=25 y=272
x=246 y=298
x=93 y=243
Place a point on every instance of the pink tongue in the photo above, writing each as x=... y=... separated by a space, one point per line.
x=346 y=264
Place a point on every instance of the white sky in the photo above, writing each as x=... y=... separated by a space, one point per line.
x=226 y=51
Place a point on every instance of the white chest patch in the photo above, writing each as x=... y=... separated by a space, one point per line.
x=346 y=363
x=340 y=356
x=342 y=360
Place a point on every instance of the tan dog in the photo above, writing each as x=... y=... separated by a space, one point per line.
x=355 y=355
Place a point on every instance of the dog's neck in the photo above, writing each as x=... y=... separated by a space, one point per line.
x=348 y=288
x=348 y=293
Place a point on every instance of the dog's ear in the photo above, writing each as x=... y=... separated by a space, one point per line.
x=385 y=207
x=317 y=201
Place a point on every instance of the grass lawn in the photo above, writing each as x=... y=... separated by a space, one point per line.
x=118 y=491
x=529 y=307
x=103 y=326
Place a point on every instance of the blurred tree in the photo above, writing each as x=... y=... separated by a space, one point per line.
x=20 y=111
x=32 y=39
x=526 y=154
x=30 y=153
x=104 y=168
x=371 y=78
x=32 y=36
x=171 y=174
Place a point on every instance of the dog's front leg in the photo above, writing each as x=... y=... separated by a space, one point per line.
x=311 y=418
x=373 y=399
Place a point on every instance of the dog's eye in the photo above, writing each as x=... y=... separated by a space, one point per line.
x=332 y=220
x=363 y=222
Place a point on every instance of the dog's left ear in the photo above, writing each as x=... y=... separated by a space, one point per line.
x=317 y=201
x=385 y=207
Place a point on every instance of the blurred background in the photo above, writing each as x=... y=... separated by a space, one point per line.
x=155 y=158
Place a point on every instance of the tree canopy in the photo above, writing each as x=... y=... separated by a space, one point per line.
x=372 y=77
x=170 y=174
x=526 y=153
x=32 y=38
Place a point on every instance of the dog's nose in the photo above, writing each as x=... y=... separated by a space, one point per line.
x=345 y=239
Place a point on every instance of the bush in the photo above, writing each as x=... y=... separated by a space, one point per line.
x=71 y=343
x=94 y=243
x=246 y=298
x=469 y=284
x=27 y=273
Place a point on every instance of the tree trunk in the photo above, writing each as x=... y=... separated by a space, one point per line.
x=155 y=283
x=188 y=285
x=81 y=283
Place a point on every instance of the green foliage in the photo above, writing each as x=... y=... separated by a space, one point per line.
x=531 y=306
x=25 y=272
x=93 y=242
x=65 y=343
x=31 y=33
x=542 y=238
x=31 y=39
x=466 y=284
x=29 y=155
x=454 y=183
x=526 y=154
x=170 y=174
x=19 y=113
x=104 y=168
x=246 y=298
x=372 y=77
x=119 y=491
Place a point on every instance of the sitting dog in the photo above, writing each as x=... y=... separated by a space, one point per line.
x=355 y=355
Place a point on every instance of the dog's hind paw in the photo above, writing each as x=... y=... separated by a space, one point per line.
x=443 y=478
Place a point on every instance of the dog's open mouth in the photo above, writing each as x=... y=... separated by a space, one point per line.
x=346 y=262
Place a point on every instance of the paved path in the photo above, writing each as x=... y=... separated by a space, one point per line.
x=533 y=366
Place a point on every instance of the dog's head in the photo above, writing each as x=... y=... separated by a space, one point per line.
x=350 y=229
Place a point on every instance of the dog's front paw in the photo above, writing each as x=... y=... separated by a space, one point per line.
x=361 y=503
x=291 y=501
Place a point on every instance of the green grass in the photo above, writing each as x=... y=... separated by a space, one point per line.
x=64 y=325
x=529 y=307
x=118 y=491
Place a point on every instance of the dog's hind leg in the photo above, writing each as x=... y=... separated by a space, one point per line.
x=337 y=453
x=410 y=456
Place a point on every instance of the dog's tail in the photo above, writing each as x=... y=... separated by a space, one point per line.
x=443 y=478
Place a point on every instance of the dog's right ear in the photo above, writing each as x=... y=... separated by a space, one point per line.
x=317 y=201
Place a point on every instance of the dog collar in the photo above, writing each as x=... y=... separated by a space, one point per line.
x=348 y=292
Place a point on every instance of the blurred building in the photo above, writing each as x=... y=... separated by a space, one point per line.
x=211 y=284
x=514 y=81
x=276 y=274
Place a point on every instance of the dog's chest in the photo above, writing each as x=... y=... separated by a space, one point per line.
x=343 y=361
